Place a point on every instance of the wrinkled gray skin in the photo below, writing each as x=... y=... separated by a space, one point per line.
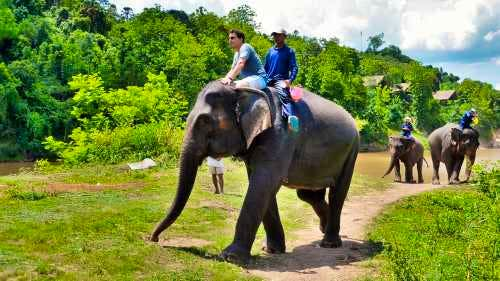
x=450 y=146
x=402 y=149
x=227 y=121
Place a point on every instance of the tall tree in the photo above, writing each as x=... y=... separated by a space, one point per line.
x=375 y=42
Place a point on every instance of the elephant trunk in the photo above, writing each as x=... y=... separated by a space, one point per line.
x=391 y=165
x=189 y=163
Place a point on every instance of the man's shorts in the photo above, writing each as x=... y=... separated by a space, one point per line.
x=254 y=81
x=216 y=170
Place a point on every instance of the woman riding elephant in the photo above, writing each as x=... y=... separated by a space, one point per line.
x=246 y=64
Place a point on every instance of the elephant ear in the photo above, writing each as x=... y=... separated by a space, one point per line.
x=253 y=113
x=455 y=134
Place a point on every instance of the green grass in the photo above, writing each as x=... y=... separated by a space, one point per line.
x=95 y=235
x=451 y=234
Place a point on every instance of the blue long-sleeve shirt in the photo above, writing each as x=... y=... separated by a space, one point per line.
x=466 y=120
x=406 y=129
x=281 y=63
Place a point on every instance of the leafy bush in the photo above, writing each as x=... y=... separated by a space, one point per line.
x=442 y=235
x=487 y=179
x=119 y=144
x=13 y=193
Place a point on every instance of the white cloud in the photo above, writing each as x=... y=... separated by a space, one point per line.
x=491 y=35
x=422 y=25
x=496 y=60
x=497 y=86
x=445 y=25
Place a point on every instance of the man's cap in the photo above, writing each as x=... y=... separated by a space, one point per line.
x=279 y=31
x=473 y=110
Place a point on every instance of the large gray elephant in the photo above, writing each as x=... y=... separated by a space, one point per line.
x=408 y=151
x=450 y=145
x=247 y=123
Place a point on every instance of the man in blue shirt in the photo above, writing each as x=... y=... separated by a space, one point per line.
x=467 y=119
x=407 y=128
x=281 y=68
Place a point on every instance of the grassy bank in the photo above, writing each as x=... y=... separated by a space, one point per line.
x=91 y=223
x=452 y=234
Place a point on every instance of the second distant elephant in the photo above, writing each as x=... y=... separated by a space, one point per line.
x=450 y=145
x=408 y=151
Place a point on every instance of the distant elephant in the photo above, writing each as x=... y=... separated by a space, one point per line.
x=450 y=145
x=247 y=123
x=408 y=151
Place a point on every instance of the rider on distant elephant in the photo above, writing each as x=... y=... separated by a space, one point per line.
x=468 y=118
x=407 y=128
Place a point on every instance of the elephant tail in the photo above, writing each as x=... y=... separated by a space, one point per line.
x=427 y=164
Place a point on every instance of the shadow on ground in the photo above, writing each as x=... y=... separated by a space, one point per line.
x=306 y=258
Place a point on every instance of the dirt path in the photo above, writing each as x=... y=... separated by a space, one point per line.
x=305 y=260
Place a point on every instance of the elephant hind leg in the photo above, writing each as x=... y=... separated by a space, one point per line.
x=336 y=198
x=275 y=236
x=316 y=198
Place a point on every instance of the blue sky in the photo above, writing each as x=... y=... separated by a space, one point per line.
x=462 y=36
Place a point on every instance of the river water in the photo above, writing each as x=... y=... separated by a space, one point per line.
x=10 y=168
x=372 y=164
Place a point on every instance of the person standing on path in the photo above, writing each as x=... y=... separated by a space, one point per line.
x=216 y=168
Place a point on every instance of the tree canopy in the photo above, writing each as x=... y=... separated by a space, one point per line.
x=74 y=71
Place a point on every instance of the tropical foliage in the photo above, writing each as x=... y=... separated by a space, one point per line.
x=77 y=76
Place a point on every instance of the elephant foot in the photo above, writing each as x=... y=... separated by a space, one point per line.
x=454 y=182
x=322 y=226
x=154 y=238
x=435 y=182
x=420 y=181
x=397 y=180
x=327 y=243
x=235 y=254
x=274 y=248
x=412 y=181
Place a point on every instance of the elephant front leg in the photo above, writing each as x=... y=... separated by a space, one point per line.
x=454 y=179
x=435 y=168
x=263 y=185
x=449 y=162
x=409 y=173
x=275 y=235
x=468 y=168
x=397 y=171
